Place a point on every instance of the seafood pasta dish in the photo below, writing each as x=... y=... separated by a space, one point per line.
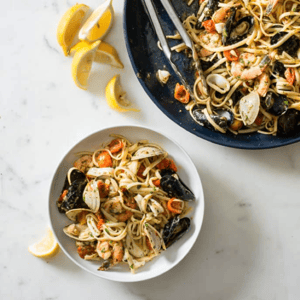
x=249 y=52
x=126 y=203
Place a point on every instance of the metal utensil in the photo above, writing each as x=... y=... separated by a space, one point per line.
x=152 y=13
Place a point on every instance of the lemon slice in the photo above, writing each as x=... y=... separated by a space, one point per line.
x=47 y=247
x=82 y=64
x=115 y=96
x=69 y=25
x=105 y=54
x=98 y=24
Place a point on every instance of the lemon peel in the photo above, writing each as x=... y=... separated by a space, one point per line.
x=47 y=247
x=69 y=26
x=115 y=96
x=82 y=64
x=98 y=24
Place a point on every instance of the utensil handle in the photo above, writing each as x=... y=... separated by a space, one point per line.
x=176 y=21
x=150 y=10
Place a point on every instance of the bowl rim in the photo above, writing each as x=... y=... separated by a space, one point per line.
x=201 y=196
x=284 y=141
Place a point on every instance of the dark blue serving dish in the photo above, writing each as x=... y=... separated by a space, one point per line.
x=147 y=59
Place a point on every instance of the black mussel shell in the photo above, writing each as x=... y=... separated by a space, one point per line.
x=211 y=7
x=165 y=172
x=275 y=104
x=279 y=69
x=235 y=35
x=75 y=174
x=228 y=26
x=175 y=187
x=289 y=123
x=73 y=198
x=223 y=119
x=175 y=229
x=290 y=46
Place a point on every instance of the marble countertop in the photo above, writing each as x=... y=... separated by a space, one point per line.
x=249 y=245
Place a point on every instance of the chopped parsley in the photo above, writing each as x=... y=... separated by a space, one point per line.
x=106 y=230
x=131 y=266
x=286 y=102
x=146 y=225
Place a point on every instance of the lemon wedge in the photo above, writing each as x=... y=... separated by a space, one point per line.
x=47 y=247
x=105 y=54
x=69 y=25
x=115 y=96
x=82 y=64
x=98 y=24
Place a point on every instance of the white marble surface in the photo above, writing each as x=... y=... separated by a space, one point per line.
x=249 y=246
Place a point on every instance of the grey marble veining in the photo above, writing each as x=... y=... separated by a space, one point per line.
x=249 y=245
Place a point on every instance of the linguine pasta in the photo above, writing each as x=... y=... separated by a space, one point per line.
x=252 y=47
x=126 y=203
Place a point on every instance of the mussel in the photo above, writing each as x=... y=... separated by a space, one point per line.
x=275 y=104
x=223 y=118
x=174 y=186
x=175 y=229
x=228 y=26
x=74 y=184
x=237 y=32
x=290 y=46
x=279 y=69
x=209 y=10
x=289 y=123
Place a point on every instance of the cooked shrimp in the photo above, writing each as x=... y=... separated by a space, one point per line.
x=243 y=67
x=104 y=160
x=103 y=250
x=84 y=163
x=211 y=40
x=123 y=217
x=262 y=84
x=117 y=252
x=221 y=15
x=114 y=206
x=117 y=210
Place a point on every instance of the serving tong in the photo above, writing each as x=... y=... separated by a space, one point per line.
x=152 y=14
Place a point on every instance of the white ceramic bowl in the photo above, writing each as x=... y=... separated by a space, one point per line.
x=187 y=172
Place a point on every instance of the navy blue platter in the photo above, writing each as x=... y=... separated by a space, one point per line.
x=147 y=59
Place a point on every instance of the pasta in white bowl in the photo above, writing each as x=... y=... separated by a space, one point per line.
x=128 y=215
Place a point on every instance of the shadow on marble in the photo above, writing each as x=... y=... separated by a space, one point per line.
x=220 y=264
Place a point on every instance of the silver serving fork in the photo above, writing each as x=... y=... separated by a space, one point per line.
x=151 y=11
